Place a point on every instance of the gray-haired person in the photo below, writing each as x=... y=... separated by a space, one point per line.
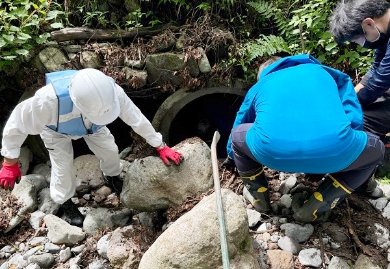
x=366 y=22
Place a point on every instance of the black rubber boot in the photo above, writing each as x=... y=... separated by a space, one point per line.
x=370 y=188
x=71 y=214
x=383 y=168
x=257 y=185
x=114 y=182
x=318 y=208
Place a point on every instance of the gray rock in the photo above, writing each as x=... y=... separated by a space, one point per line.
x=288 y=184
x=254 y=217
x=102 y=245
x=25 y=158
x=150 y=185
x=364 y=262
x=297 y=232
x=78 y=249
x=36 y=219
x=87 y=170
x=288 y=244
x=53 y=59
x=310 y=257
x=379 y=203
x=33 y=266
x=38 y=180
x=196 y=233
x=100 y=218
x=26 y=194
x=44 y=261
x=61 y=232
x=204 y=64
x=65 y=254
x=338 y=263
x=52 y=248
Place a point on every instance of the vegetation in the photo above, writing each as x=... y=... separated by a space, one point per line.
x=384 y=180
x=261 y=27
x=25 y=24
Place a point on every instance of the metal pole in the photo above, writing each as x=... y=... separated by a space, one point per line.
x=221 y=219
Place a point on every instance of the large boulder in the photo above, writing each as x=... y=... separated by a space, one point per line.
x=193 y=241
x=150 y=185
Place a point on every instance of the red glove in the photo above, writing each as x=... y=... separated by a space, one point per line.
x=9 y=174
x=167 y=153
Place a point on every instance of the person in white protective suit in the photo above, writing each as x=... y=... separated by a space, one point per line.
x=75 y=104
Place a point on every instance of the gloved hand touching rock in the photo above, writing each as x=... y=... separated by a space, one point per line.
x=9 y=174
x=167 y=154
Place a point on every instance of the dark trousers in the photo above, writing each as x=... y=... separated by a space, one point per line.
x=377 y=116
x=353 y=176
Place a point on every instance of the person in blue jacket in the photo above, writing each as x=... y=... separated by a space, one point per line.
x=366 y=23
x=302 y=116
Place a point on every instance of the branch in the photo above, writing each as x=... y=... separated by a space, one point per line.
x=355 y=238
x=84 y=33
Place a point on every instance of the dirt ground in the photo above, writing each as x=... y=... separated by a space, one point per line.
x=350 y=220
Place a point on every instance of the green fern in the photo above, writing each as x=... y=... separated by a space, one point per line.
x=283 y=25
x=263 y=8
x=270 y=11
x=266 y=46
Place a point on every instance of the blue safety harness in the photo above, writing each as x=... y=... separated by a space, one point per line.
x=68 y=122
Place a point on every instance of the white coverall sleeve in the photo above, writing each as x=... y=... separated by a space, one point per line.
x=133 y=117
x=28 y=117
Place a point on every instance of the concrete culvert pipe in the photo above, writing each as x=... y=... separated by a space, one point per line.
x=200 y=113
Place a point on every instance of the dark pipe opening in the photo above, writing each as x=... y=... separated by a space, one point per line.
x=119 y=130
x=201 y=118
x=205 y=115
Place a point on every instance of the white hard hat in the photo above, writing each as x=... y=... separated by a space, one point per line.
x=94 y=94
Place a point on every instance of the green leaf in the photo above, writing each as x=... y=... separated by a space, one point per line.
x=309 y=22
x=2 y=42
x=53 y=14
x=20 y=13
x=23 y=36
x=326 y=35
x=14 y=28
x=33 y=22
x=56 y=25
x=42 y=38
x=353 y=54
x=11 y=57
x=22 y=52
x=321 y=58
x=295 y=32
x=330 y=46
x=11 y=17
x=19 y=41
x=299 y=11
x=8 y=38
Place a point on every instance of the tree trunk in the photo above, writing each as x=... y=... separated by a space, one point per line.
x=83 y=33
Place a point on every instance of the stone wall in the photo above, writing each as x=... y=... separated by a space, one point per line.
x=149 y=69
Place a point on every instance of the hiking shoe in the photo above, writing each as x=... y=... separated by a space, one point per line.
x=258 y=193
x=318 y=208
x=71 y=214
x=114 y=182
